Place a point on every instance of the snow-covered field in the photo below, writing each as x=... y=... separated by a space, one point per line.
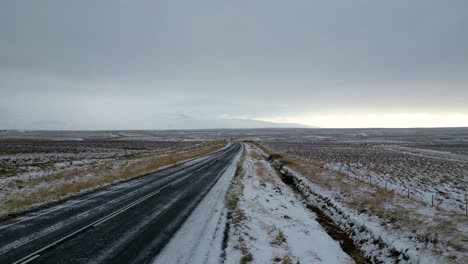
x=432 y=176
x=399 y=196
x=388 y=226
x=268 y=222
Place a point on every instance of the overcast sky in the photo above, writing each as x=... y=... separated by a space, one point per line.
x=112 y=64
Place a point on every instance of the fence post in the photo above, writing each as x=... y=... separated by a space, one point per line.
x=432 y=200
x=408 y=192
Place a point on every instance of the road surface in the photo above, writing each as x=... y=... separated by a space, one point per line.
x=125 y=223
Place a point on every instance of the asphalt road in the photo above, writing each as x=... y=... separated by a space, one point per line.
x=125 y=223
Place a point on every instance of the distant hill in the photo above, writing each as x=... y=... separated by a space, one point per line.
x=156 y=121
x=187 y=122
x=249 y=123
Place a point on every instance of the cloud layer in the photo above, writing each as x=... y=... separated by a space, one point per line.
x=84 y=64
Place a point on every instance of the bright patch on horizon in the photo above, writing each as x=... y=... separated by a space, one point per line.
x=382 y=120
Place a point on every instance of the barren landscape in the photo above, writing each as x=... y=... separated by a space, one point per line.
x=234 y=132
x=288 y=196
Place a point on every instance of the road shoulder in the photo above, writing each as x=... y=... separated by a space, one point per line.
x=199 y=239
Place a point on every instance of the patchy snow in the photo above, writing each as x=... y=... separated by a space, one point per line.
x=200 y=238
x=443 y=155
x=379 y=238
x=434 y=177
x=388 y=227
x=276 y=227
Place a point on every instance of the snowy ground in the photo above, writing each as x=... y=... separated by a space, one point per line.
x=269 y=224
x=389 y=227
x=258 y=220
x=359 y=179
x=432 y=173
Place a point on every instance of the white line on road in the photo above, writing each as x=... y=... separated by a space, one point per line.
x=31 y=259
x=36 y=254
x=52 y=228
x=126 y=208
x=137 y=180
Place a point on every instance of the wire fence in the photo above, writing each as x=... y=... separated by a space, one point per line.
x=430 y=199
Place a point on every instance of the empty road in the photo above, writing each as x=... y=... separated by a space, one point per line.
x=124 y=223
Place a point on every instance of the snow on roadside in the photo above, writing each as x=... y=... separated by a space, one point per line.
x=275 y=226
x=200 y=238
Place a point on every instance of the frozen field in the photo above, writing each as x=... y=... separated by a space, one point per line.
x=399 y=194
x=432 y=173
x=349 y=195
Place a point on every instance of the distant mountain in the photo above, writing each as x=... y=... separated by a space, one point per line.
x=154 y=121
x=188 y=122
x=250 y=123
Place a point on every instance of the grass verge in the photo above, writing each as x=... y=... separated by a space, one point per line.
x=235 y=213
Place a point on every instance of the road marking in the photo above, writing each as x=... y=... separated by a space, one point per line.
x=30 y=259
x=125 y=208
x=164 y=180
x=36 y=254
x=205 y=162
x=32 y=256
x=165 y=171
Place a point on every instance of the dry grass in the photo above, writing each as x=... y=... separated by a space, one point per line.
x=260 y=167
x=234 y=193
x=336 y=181
x=65 y=184
x=237 y=216
x=255 y=155
x=280 y=238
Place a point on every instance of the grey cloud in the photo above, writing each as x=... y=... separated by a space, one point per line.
x=232 y=58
